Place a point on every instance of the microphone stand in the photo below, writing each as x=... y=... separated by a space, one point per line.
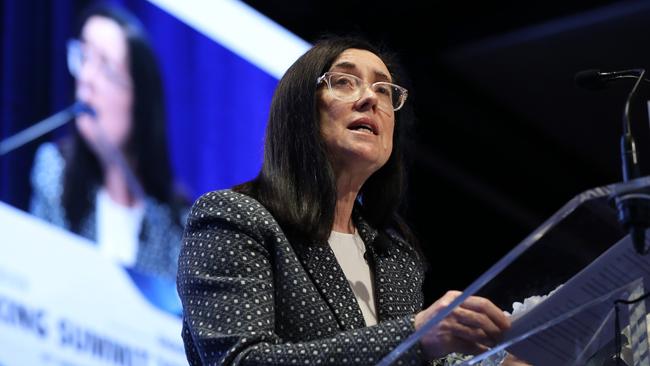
x=633 y=210
x=39 y=129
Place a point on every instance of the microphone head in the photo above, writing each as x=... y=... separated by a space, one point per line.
x=590 y=79
x=80 y=107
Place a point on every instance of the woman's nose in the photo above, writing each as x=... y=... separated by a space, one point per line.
x=86 y=71
x=368 y=99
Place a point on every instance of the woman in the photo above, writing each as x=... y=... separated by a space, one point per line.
x=112 y=181
x=308 y=263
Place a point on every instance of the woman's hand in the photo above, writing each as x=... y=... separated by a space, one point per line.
x=471 y=328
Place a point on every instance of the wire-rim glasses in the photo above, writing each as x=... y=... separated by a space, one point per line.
x=79 y=53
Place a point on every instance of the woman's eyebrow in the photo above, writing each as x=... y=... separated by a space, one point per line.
x=347 y=65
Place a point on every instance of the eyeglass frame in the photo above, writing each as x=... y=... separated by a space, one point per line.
x=76 y=45
x=326 y=77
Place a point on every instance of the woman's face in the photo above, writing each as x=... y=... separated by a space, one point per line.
x=104 y=83
x=358 y=134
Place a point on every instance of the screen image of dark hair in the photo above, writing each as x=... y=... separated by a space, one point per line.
x=79 y=183
x=311 y=262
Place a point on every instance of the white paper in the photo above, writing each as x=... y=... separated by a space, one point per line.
x=589 y=298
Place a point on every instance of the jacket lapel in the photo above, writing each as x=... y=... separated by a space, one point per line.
x=393 y=277
x=373 y=257
x=391 y=301
x=329 y=279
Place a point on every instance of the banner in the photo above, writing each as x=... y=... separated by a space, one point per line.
x=63 y=303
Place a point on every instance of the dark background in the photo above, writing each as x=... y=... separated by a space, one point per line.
x=504 y=137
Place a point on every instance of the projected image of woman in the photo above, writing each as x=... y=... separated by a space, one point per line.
x=111 y=181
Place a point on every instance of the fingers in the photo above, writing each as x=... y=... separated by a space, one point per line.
x=471 y=327
x=484 y=306
x=479 y=305
x=486 y=331
x=452 y=336
x=455 y=328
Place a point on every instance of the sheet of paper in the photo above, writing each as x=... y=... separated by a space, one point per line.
x=589 y=298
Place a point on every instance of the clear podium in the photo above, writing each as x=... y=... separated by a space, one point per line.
x=579 y=284
x=595 y=271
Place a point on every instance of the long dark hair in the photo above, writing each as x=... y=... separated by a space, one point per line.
x=296 y=182
x=147 y=144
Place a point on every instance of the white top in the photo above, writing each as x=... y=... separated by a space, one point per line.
x=118 y=229
x=349 y=250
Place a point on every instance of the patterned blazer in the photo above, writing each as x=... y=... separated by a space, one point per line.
x=250 y=297
x=160 y=232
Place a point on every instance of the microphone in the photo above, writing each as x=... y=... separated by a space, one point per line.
x=595 y=79
x=633 y=208
x=42 y=127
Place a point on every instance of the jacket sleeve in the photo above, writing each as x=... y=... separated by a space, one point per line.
x=225 y=282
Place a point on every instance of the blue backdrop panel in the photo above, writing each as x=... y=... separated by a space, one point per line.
x=217 y=104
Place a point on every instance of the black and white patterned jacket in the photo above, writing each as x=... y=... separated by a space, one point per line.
x=252 y=298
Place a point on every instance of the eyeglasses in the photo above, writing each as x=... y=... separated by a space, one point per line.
x=79 y=53
x=350 y=88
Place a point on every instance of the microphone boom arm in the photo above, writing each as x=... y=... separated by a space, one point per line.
x=39 y=129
